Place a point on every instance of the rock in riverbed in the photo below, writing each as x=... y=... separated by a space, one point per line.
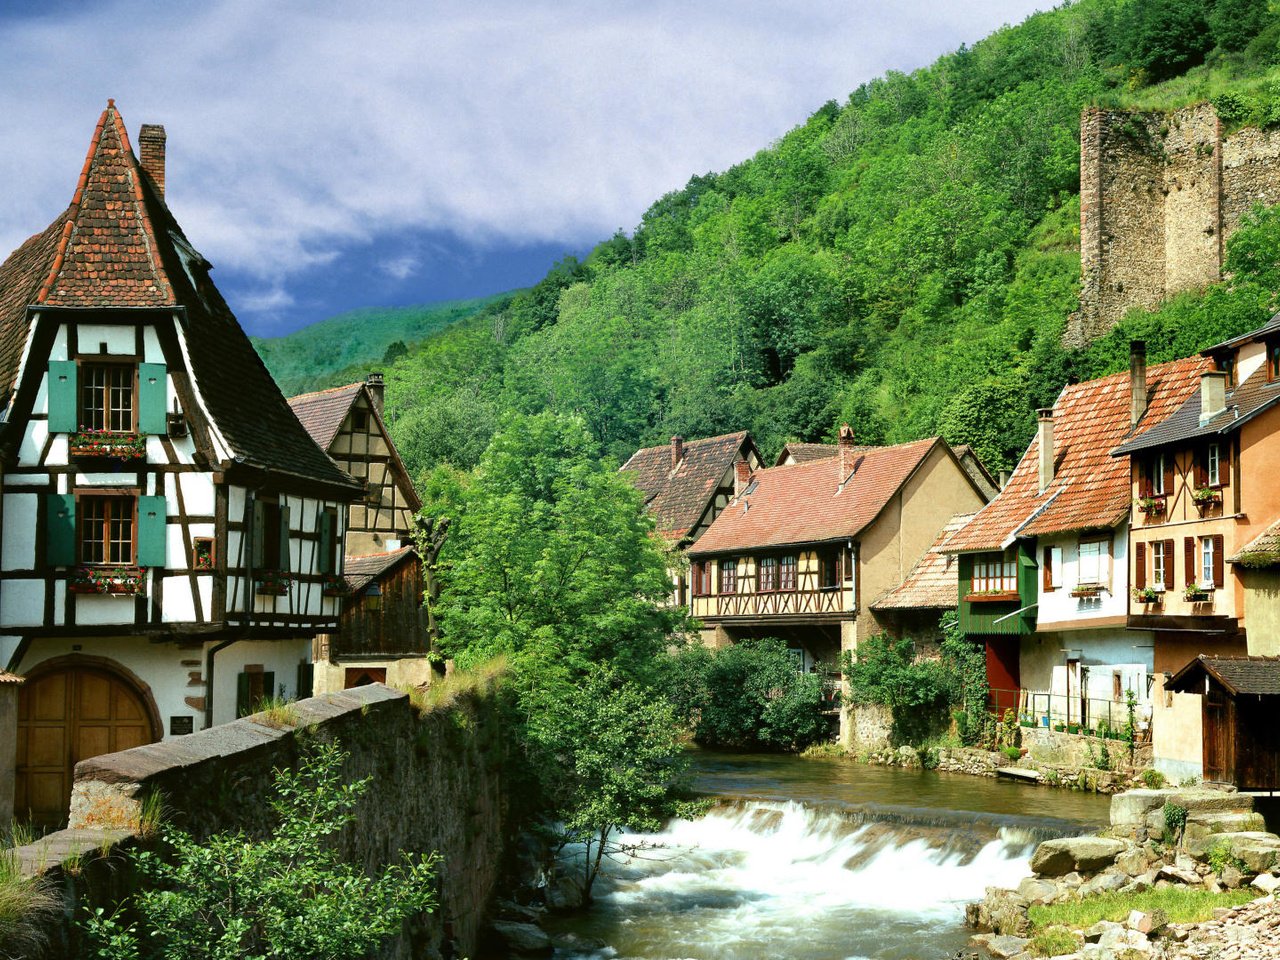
x=1055 y=858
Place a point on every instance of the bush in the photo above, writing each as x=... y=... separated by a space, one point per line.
x=1220 y=857
x=1175 y=821
x=747 y=695
x=1013 y=753
x=1152 y=779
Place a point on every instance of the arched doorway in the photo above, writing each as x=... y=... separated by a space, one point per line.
x=70 y=709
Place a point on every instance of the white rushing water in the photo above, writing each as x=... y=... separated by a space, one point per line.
x=779 y=879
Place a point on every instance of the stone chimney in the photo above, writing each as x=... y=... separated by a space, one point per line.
x=741 y=477
x=1044 y=434
x=1213 y=394
x=377 y=389
x=151 y=147
x=844 y=452
x=677 y=450
x=1137 y=381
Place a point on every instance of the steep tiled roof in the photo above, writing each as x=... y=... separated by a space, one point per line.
x=1090 y=488
x=678 y=499
x=1272 y=326
x=1240 y=675
x=7 y=677
x=360 y=571
x=932 y=583
x=1262 y=551
x=1244 y=403
x=809 y=503
x=322 y=412
x=117 y=245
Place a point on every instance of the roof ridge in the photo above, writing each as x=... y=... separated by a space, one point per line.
x=317 y=393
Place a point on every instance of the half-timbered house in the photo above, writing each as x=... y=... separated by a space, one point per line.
x=801 y=550
x=169 y=531
x=383 y=632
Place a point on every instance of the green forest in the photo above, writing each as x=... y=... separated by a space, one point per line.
x=905 y=260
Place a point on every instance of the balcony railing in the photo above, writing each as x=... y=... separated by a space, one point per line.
x=779 y=603
x=1071 y=713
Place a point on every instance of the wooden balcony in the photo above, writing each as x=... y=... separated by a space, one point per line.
x=776 y=606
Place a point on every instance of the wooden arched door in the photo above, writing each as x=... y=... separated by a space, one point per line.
x=66 y=714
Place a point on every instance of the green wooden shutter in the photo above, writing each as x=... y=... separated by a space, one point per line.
x=64 y=400
x=268 y=687
x=326 y=542
x=259 y=533
x=153 y=398
x=243 y=706
x=60 y=529
x=151 y=532
x=306 y=680
x=284 y=538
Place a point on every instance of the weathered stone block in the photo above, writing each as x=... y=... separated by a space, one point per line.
x=1054 y=858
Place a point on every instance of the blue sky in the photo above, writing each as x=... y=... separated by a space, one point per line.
x=328 y=155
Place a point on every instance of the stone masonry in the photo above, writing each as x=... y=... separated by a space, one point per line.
x=1159 y=196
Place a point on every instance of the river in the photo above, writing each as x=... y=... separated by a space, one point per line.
x=821 y=859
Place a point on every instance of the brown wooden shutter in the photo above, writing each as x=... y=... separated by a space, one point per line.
x=1219 y=561
x=1202 y=468
x=1168 y=564
x=1140 y=565
x=1144 y=477
x=1189 y=548
x=1047 y=567
x=1224 y=463
x=1168 y=474
x=695 y=578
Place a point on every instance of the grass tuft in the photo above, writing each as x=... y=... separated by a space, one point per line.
x=23 y=900
x=446 y=692
x=1180 y=905
x=278 y=713
x=1054 y=942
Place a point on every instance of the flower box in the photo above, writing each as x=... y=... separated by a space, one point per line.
x=334 y=586
x=1147 y=595
x=1151 y=506
x=1087 y=590
x=272 y=584
x=991 y=596
x=1060 y=727
x=109 y=581
x=1073 y=728
x=1194 y=594
x=1206 y=496
x=87 y=444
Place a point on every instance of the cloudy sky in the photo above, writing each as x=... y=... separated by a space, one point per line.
x=328 y=155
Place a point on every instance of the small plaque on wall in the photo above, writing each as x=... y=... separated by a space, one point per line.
x=179 y=726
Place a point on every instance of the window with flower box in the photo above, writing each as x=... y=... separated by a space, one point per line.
x=106 y=397
x=106 y=530
x=995 y=574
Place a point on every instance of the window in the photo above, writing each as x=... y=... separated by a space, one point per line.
x=829 y=569
x=700 y=577
x=360 y=421
x=1156 y=475
x=729 y=575
x=106 y=530
x=1273 y=360
x=787 y=573
x=768 y=574
x=1158 y=565
x=1052 y=568
x=1207 y=563
x=1094 y=563
x=1228 y=366
x=270 y=536
x=329 y=541
x=995 y=574
x=106 y=397
x=1213 y=465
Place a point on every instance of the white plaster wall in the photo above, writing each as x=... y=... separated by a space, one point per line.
x=59 y=349
x=280 y=656
x=177 y=605
x=112 y=479
x=197 y=492
x=1058 y=605
x=120 y=340
x=18 y=531
x=29 y=479
x=22 y=603
x=95 y=609
x=1249 y=360
x=151 y=351
x=33 y=438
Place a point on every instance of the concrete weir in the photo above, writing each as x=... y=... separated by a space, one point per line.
x=435 y=787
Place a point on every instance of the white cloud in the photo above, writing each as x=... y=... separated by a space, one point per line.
x=400 y=268
x=296 y=128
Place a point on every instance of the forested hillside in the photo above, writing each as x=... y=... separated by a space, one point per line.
x=344 y=348
x=904 y=260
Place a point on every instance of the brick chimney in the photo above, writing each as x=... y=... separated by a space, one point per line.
x=677 y=450
x=844 y=452
x=741 y=477
x=1213 y=394
x=1137 y=381
x=1044 y=433
x=377 y=389
x=151 y=147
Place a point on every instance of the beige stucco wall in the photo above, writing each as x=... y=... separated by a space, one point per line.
x=1177 y=744
x=402 y=673
x=1262 y=611
x=8 y=747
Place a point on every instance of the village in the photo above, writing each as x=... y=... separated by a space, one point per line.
x=1065 y=664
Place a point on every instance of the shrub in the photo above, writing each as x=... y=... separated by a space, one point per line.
x=1175 y=821
x=1152 y=779
x=1220 y=857
x=1013 y=753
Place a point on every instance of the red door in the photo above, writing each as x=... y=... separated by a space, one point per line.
x=1003 y=674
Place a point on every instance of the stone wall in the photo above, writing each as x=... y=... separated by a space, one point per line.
x=436 y=786
x=1159 y=195
x=1052 y=748
x=868 y=726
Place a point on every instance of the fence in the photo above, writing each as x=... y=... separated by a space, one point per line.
x=1072 y=713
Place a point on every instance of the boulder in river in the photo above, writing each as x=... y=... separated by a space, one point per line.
x=1054 y=858
x=523 y=939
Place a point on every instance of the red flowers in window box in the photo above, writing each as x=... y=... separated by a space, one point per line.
x=1151 y=506
x=120 y=581
x=273 y=583
x=107 y=443
x=334 y=586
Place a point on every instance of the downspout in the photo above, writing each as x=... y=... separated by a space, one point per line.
x=251 y=497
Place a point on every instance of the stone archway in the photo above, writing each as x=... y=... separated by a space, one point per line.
x=72 y=708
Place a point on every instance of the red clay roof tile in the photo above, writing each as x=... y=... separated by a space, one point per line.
x=678 y=499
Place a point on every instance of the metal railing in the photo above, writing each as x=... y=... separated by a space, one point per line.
x=1072 y=713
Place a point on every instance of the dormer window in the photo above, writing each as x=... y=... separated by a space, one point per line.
x=1273 y=361
x=106 y=397
x=1227 y=365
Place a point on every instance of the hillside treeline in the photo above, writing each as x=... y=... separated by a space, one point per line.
x=904 y=260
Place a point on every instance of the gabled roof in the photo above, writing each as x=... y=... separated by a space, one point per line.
x=811 y=502
x=361 y=571
x=805 y=452
x=1260 y=552
x=1090 y=488
x=118 y=246
x=1268 y=329
x=1258 y=676
x=932 y=583
x=323 y=412
x=679 y=497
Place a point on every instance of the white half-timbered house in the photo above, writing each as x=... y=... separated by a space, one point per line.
x=171 y=537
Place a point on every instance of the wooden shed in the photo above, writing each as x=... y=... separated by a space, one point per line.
x=1241 y=697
